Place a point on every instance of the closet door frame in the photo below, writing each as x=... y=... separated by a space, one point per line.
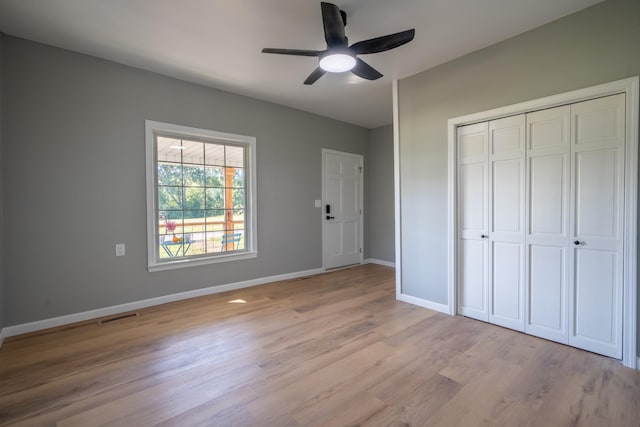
x=630 y=87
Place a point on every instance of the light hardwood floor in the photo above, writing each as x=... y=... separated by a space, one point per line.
x=333 y=349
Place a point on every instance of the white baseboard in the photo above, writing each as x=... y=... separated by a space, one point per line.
x=379 y=262
x=443 y=308
x=39 y=325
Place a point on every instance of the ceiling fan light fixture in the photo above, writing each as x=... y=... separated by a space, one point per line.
x=338 y=62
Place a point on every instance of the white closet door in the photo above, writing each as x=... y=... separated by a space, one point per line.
x=507 y=222
x=473 y=196
x=548 y=151
x=595 y=296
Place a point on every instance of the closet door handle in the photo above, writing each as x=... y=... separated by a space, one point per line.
x=483 y=236
x=577 y=242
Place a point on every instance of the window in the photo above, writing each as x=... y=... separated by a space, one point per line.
x=200 y=196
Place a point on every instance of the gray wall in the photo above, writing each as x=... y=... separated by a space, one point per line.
x=1 y=202
x=74 y=175
x=380 y=209
x=597 y=45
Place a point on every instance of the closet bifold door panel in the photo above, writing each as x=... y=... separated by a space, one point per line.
x=597 y=170
x=541 y=222
x=548 y=188
x=473 y=222
x=491 y=267
x=507 y=222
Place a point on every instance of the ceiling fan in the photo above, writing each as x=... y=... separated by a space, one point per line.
x=339 y=56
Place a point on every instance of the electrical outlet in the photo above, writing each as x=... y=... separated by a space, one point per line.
x=120 y=249
x=318 y=203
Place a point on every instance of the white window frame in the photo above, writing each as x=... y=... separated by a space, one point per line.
x=249 y=143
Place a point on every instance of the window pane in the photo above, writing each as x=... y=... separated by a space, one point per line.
x=231 y=240
x=208 y=243
x=169 y=149
x=179 y=227
x=196 y=244
x=168 y=221
x=170 y=215
x=240 y=243
x=169 y=174
x=216 y=215
x=170 y=233
x=178 y=245
x=193 y=232
x=193 y=200
x=215 y=198
x=193 y=152
x=238 y=217
x=235 y=156
x=215 y=177
x=238 y=178
x=215 y=242
x=169 y=198
x=193 y=176
x=238 y=198
x=194 y=220
x=215 y=219
x=214 y=226
x=214 y=154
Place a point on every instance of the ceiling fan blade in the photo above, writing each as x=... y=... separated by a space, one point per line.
x=380 y=44
x=297 y=52
x=366 y=71
x=333 y=25
x=315 y=75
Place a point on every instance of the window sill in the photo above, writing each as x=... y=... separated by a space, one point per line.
x=183 y=263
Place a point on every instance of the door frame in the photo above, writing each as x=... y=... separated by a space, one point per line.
x=630 y=87
x=360 y=158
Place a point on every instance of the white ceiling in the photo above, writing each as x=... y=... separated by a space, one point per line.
x=217 y=42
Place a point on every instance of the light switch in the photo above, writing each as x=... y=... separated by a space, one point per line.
x=318 y=203
x=120 y=249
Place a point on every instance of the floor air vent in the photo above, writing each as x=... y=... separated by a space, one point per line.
x=117 y=317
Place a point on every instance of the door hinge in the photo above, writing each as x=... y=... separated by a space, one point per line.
x=360 y=250
x=360 y=169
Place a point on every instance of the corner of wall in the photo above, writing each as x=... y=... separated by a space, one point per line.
x=380 y=205
x=1 y=208
x=367 y=197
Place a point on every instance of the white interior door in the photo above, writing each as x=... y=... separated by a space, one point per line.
x=507 y=222
x=342 y=208
x=597 y=170
x=548 y=151
x=473 y=223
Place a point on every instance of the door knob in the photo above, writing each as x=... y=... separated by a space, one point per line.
x=483 y=236
x=330 y=217
x=577 y=242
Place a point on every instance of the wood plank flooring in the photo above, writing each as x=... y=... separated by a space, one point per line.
x=328 y=350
